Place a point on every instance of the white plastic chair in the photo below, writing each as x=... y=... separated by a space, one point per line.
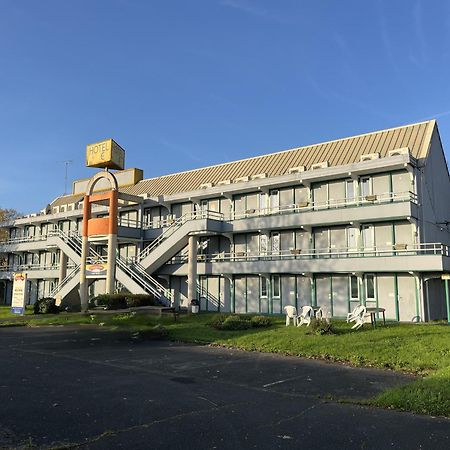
x=305 y=316
x=323 y=314
x=357 y=316
x=291 y=313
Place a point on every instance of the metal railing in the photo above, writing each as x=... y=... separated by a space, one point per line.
x=137 y=273
x=66 y=280
x=31 y=267
x=177 y=223
x=323 y=253
x=367 y=200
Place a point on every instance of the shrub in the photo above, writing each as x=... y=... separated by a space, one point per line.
x=236 y=323
x=109 y=301
x=217 y=321
x=321 y=327
x=123 y=301
x=46 y=305
x=261 y=321
x=136 y=300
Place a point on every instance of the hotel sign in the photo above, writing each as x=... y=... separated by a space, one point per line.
x=19 y=293
x=96 y=270
x=106 y=154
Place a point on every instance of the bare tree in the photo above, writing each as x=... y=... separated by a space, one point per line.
x=5 y=215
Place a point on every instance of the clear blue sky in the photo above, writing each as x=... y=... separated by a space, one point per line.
x=182 y=84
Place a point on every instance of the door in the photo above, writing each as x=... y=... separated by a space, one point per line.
x=350 y=191
x=264 y=294
x=368 y=239
x=323 y=291
x=263 y=244
x=369 y=290
x=406 y=298
x=340 y=295
x=352 y=243
x=354 y=292
x=276 y=294
x=274 y=201
x=275 y=243
x=365 y=187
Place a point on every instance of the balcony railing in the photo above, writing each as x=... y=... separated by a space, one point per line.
x=171 y=219
x=323 y=253
x=33 y=267
x=367 y=200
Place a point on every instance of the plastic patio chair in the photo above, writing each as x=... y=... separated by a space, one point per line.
x=305 y=316
x=323 y=314
x=357 y=316
x=291 y=313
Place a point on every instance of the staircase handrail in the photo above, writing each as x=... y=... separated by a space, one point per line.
x=64 y=281
x=204 y=214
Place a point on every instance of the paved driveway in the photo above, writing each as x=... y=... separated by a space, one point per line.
x=95 y=389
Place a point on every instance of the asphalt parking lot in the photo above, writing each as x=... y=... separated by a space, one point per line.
x=88 y=388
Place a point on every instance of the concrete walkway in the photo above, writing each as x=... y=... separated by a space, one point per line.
x=85 y=387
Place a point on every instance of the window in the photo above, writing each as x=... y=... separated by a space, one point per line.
x=263 y=286
x=349 y=191
x=354 y=288
x=276 y=286
x=366 y=186
x=370 y=287
x=275 y=199
x=262 y=201
x=368 y=237
x=351 y=239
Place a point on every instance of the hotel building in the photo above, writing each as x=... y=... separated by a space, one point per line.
x=360 y=220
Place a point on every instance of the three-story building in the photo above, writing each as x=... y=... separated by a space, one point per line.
x=358 y=220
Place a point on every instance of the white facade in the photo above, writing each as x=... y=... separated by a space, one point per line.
x=373 y=230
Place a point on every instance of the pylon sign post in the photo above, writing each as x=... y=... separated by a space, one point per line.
x=106 y=154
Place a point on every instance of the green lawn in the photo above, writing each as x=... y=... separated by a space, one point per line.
x=422 y=349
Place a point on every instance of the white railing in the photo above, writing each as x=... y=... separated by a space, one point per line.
x=175 y=225
x=129 y=223
x=375 y=199
x=32 y=267
x=138 y=274
x=323 y=253
x=63 y=282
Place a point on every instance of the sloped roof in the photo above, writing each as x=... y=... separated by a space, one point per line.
x=337 y=152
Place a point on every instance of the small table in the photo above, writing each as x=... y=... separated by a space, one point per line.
x=373 y=317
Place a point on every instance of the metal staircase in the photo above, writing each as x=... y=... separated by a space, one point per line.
x=132 y=276
x=175 y=238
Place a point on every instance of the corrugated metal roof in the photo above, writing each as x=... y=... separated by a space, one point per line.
x=338 y=152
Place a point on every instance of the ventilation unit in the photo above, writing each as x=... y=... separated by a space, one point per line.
x=296 y=169
x=258 y=176
x=206 y=185
x=241 y=179
x=223 y=182
x=369 y=157
x=321 y=165
x=399 y=151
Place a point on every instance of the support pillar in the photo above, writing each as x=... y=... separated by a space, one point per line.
x=84 y=255
x=83 y=281
x=112 y=244
x=62 y=266
x=447 y=300
x=192 y=268
x=111 y=271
